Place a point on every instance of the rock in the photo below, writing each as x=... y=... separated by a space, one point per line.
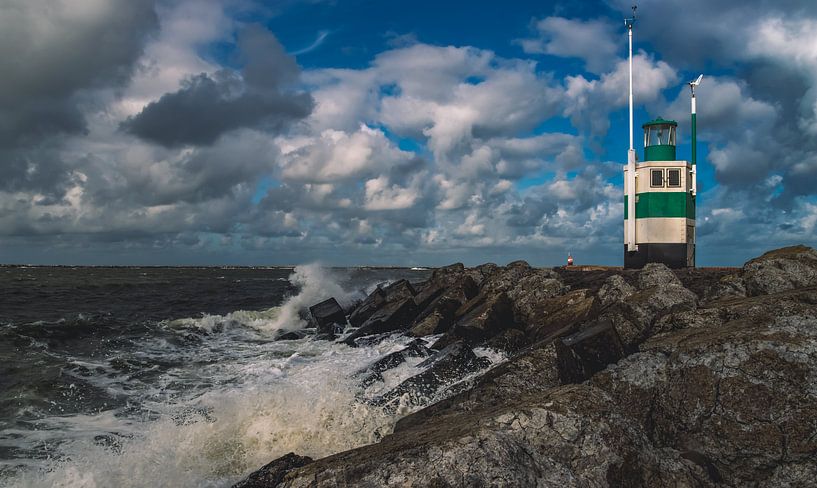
x=399 y=290
x=781 y=270
x=531 y=290
x=367 y=307
x=273 y=474
x=327 y=314
x=437 y=322
x=488 y=319
x=585 y=353
x=392 y=316
x=561 y=313
x=568 y=436
x=656 y=275
x=427 y=295
x=721 y=394
x=634 y=317
x=441 y=369
x=508 y=341
x=614 y=289
x=740 y=392
x=374 y=372
x=292 y=335
x=506 y=278
x=729 y=286
x=532 y=371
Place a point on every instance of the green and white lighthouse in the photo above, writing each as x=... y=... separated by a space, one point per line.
x=659 y=193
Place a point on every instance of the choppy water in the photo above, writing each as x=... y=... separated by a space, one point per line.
x=171 y=376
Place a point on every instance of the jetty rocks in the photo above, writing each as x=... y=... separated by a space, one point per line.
x=653 y=377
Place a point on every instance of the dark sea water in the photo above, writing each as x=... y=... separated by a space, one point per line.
x=172 y=376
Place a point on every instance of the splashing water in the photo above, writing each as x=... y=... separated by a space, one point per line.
x=316 y=284
x=200 y=401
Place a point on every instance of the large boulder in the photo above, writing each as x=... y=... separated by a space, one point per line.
x=486 y=320
x=436 y=319
x=272 y=474
x=738 y=389
x=656 y=275
x=531 y=290
x=327 y=315
x=559 y=313
x=390 y=317
x=635 y=316
x=570 y=436
x=583 y=354
x=781 y=270
x=729 y=286
x=367 y=307
x=399 y=290
x=374 y=372
x=440 y=370
x=614 y=289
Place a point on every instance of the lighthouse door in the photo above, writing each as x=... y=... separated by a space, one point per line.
x=691 y=246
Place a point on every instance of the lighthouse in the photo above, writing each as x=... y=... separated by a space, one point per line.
x=659 y=191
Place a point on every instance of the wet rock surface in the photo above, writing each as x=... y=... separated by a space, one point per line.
x=652 y=377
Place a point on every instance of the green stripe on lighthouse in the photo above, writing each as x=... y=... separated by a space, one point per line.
x=662 y=204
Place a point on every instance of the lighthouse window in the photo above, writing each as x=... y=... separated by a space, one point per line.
x=657 y=178
x=674 y=178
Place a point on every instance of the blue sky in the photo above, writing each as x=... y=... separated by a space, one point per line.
x=394 y=133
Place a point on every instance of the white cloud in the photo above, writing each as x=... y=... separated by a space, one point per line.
x=336 y=155
x=381 y=195
x=590 y=40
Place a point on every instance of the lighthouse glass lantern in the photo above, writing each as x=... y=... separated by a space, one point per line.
x=664 y=202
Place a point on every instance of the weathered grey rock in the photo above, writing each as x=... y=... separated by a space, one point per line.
x=390 y=317
x=399 y=290
x=718 y=395
x=292 y=335
x=508 y=341
x=560 y=313
x=614 y=289
x=441 y=369
x=570 y=436
x=488 y=319
x=374 y=372
x=781 y=270
x=729 y=286
x=583 y=354
x=531 y=290
x=367 y=307
x=506 y=278
x=437 y=322
x=656 y=275
x=739 y=392
x=634 y=317
x=272 y=474
x=327 y=314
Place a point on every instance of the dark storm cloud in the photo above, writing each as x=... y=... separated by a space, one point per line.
x=49 y=55
x=208 y=106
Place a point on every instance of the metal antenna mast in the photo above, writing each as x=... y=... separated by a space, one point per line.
x=631 y=180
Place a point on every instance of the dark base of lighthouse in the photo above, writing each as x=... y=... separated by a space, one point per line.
x=673 y=255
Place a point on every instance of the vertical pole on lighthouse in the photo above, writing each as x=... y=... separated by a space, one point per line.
x=631 y=178
x=694 y=116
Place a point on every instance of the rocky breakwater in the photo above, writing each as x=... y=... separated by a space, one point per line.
x=614 y=377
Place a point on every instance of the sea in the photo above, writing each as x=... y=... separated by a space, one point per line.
x=171 y=376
